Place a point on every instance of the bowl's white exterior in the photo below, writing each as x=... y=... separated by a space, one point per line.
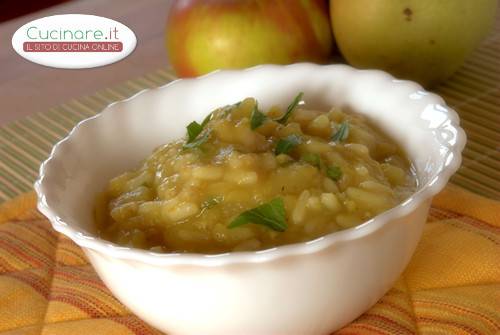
x=308 y=288
x=308 y=294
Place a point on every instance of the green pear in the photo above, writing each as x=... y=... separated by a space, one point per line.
x=421 y=40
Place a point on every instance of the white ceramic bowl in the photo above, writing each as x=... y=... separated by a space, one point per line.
x=307 y=288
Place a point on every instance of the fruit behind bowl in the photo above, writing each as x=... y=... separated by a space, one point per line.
x=203 y=36
x=421 y=40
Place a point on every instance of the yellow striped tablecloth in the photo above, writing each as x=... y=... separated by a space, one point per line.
x=474 y=92
x=451 y=286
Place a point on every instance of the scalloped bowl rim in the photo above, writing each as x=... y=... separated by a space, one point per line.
x=376 y=223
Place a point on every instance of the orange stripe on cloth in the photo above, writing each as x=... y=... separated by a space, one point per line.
x=18 y=207
x=458 y=200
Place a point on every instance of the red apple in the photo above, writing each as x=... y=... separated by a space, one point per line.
x=205 y=35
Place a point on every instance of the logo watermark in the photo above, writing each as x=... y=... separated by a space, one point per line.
x=74 y=41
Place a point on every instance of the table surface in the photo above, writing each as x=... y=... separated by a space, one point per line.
x=47 y=87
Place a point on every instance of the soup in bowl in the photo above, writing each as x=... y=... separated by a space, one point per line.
x=245 y=180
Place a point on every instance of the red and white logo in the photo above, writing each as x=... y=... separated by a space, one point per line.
x=74 y=41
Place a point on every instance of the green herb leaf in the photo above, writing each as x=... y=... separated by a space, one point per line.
x=209 y=203
x=291 y=108
x=311 y=158
x=334 y=173
x=257 y=118
x=342 y=133
x=193 y=130
x=206 y=120
x=199 y=141
x=285 y=145
x=271 y=215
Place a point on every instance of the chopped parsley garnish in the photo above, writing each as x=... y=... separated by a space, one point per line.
x=206 y=120
x=257 y=118
x=198 y=141
x=334 y=173
x=193 y=130
x=311 y=158
x=291 y=108
x=285 y=145
x=342 y=133
x=271 y=215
